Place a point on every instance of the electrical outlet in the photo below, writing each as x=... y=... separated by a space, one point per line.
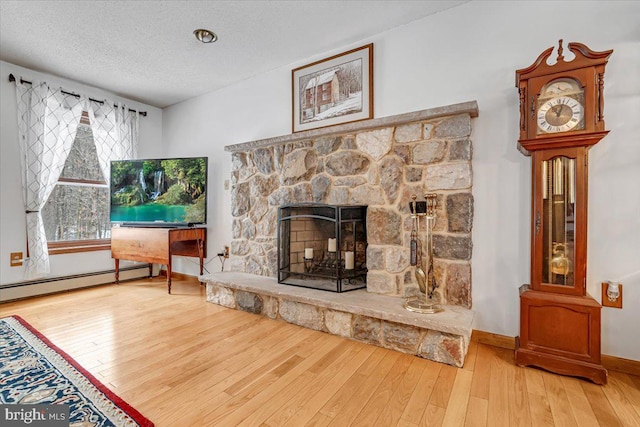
x=606 y=302
x=16 y=259
x=226 y=251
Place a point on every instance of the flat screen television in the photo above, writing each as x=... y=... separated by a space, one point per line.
x=159 y=192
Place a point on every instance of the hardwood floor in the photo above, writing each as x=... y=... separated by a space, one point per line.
x=182 y=361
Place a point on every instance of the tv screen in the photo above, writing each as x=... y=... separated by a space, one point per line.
x=159 y=192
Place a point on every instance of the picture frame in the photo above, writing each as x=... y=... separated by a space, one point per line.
x=334 y=90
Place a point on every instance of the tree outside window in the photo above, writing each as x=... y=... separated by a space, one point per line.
x=76 y=215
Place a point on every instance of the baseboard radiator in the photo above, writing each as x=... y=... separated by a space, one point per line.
x=51 y=285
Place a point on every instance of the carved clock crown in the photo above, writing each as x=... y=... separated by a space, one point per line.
x=563 y=100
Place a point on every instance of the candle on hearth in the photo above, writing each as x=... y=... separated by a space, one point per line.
x=348 y=260
x=308 y=253
x=332 y=245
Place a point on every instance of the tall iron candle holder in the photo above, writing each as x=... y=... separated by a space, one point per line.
x=426 y=281
x=308 y=265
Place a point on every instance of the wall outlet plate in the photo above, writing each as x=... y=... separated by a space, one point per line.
x=605 y=299
x=16 y=259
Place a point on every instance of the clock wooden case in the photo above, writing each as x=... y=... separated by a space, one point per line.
x=561 y=116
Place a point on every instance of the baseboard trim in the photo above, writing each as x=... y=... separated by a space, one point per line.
x=612 y=363
x=618 y=364
x=495 y=340
x=178 y=276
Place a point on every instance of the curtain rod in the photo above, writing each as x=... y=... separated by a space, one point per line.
x=12 y=78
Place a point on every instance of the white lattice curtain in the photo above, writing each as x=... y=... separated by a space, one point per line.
x=115 y=132
x=47 y=124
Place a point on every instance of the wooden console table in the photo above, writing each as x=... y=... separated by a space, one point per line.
x=157 y=245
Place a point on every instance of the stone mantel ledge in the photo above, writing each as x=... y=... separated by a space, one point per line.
x=469 y=107
x=454 y=319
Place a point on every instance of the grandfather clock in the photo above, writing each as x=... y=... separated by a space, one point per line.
x=561 y=116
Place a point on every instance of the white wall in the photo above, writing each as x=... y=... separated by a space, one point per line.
x=12 y=218
x=468 y=53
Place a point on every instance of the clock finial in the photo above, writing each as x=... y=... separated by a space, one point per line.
x=560 y=56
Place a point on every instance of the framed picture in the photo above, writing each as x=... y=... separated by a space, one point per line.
x=333 y=90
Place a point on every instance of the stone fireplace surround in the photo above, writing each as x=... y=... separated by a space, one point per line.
x=379 y=163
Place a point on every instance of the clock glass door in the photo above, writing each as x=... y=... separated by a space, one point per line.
x=558 y=211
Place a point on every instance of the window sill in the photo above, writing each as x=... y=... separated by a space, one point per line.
x=57 y=248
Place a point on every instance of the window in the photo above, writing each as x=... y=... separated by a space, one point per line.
x=76 y=215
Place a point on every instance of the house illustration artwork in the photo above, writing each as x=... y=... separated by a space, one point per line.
x=321 y=93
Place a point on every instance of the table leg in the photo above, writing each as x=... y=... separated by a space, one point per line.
x=150 y=271
x=117 y=271
x=201 y=259
x=169 y=275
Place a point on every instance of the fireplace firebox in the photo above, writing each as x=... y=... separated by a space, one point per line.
x=322 y=246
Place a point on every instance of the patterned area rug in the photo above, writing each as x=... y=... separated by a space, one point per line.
x=34 y=371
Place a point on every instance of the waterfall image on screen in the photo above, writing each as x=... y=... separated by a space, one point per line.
x=159 y=191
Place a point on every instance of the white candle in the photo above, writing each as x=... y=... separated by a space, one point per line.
x=348 y=260
x=332 y=245
x=308 y=253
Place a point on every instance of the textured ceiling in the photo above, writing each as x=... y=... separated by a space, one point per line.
x=145 y=50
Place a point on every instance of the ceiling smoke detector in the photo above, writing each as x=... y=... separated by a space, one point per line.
x=205 y=36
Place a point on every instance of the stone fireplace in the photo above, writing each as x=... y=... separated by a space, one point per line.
x=378 y=164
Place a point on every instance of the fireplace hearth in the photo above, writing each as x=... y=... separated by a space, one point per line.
x=322 y=246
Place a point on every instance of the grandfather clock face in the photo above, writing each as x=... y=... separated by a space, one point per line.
x=560 y=107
